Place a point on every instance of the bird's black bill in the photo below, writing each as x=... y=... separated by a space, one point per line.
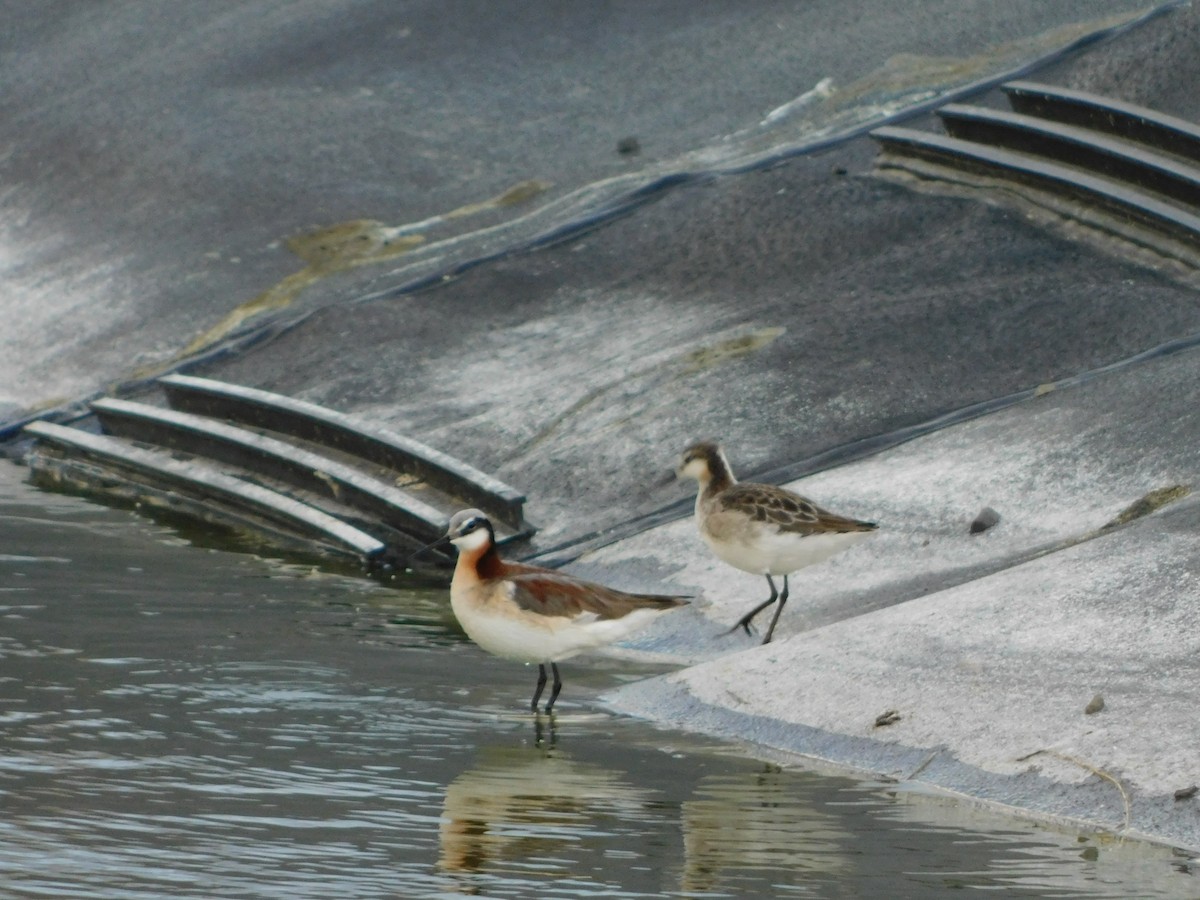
x=667 y=478
x=444 y=539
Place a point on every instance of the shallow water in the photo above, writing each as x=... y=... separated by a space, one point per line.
x=183 y=721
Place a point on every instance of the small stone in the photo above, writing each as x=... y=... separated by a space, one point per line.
x=986 y=519
x=1091 y=854
x=887 y=718
x=1187 y=793
x=629 y=146
x=1093 y=707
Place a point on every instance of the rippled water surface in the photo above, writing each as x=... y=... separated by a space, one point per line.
x=180 y=721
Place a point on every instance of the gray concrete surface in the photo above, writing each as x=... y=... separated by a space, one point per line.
x=989 y=646
x=160 y=161
x=787 y=311
x=157 y=160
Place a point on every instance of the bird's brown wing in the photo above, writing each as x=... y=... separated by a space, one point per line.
x=786 y=511
x=556 y=594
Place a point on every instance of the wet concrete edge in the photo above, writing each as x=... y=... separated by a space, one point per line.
x=1028 y=796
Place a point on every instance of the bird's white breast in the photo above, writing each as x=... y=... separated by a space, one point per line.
x=764 y=550
x=506 y=630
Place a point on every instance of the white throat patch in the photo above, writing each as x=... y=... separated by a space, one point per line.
x=476 y=540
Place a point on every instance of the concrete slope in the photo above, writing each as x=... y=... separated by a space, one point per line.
x=786 y=312
x=1057 y=468
x=1006 y=636
x=173 y=173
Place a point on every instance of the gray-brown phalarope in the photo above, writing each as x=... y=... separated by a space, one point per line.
x=762 y=528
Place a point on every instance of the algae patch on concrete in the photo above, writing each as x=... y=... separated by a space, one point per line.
x=346 y=245
x=1151 y=502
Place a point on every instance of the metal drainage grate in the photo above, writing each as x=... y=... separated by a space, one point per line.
x=291 y=472
x=1120 y=168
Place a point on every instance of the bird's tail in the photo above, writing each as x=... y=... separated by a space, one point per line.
x=665 y=601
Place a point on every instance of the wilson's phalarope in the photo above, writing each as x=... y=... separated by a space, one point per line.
x=535 y=615
x=762 y=528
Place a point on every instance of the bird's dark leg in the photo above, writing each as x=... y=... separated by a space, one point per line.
x=744 y=621
x=782 y=600
x=537 y=695
x=557 y=686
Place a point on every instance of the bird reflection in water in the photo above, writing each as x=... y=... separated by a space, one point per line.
x=531 y=812
x=544 y=733
x=760 y=821
x=528 y=808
